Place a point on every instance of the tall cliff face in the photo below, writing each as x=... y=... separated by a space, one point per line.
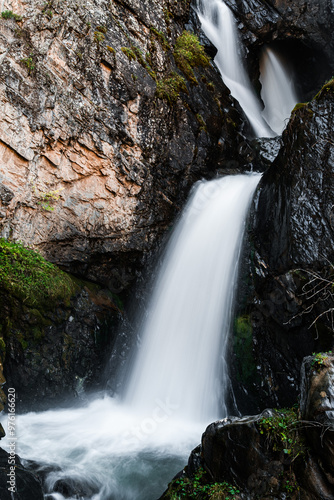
x=101 y=133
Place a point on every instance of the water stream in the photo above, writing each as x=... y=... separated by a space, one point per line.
x=129 y=448
x=267 y=119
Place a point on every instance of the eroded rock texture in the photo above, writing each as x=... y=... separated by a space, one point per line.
x=93 y=164
x=277 y=454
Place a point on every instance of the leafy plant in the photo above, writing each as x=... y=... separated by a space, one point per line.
x=47 y=197
x=29 y=63
x=169 y=88
x=9 y=14
x=320 y=359
x=282 y=430
x=189 y=53
x=98 y=37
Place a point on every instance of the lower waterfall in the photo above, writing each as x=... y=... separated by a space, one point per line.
x=129 y=448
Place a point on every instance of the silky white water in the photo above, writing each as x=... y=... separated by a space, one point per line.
x=277 y=92
x=129 y=449
x=219 y=26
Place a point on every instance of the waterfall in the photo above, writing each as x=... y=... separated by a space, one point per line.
x=219 y=26
x=277 y=89
x=278 y=92
x=130 y=448
x=184 y=336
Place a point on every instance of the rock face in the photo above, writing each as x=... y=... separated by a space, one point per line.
x=291 y=256
x=26 y=485
x=94 y=163
x=277 y=454
x=302 y=32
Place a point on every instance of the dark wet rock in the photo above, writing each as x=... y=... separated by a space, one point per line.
x=301 y=31
x=278 y=454
x=26 y=485
x=290 y=253
x=55 y=354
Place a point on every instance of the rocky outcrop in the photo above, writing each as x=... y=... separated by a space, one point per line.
x=277 y=454
x=56 y=332
x=291 y=256
x=101 y=132
x=301 y=32
x=24 y=485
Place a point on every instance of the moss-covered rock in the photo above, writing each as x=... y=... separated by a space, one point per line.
x=54 y=328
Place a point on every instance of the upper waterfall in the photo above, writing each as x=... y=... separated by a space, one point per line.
x=277 y=92
x=219 y=26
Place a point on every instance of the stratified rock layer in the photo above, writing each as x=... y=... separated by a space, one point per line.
x=93 y=163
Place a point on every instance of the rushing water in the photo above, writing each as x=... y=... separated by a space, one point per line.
x=277 y=92
x=128 y=449
x=277 y=87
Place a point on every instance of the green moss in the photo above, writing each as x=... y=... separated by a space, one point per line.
x=98 y=37
x=8 y=14
x=129 y=53
x=26 y=275
x=243 y=348
x=328 y=86
x=202 y=124
x=111 y=49
x=161 y=37
x=188 y=54
x=169 y=88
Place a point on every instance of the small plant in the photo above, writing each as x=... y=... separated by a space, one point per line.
x=282 y=430
x=101 y=29
x=129 y=53
x=201 y=122
x=320 y=359
x=9 y=14
x=29 y=63
x=169 y=88
x=111 y=49
x=189 y=53
x=47 y=197
x=98 y=37
x=161 y=37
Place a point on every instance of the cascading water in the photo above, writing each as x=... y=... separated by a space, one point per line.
x=219 y=26
x=277 y=92
x=129 y=449
x=277 y=88
x=185 y=334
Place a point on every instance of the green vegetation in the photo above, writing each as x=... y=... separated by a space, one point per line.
x=98 y=37
x=26 y=275
x=129 y=53
x=189 y=53
x=329 y=85
x=8 y=14
x=47 y=198
x=111 y=49
x=29 y=63
x=169 y=88
x=243 y=348
x=282 y=430
x=202 y=124
x=320 y=359
x=161 y=37
x=199 y=487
